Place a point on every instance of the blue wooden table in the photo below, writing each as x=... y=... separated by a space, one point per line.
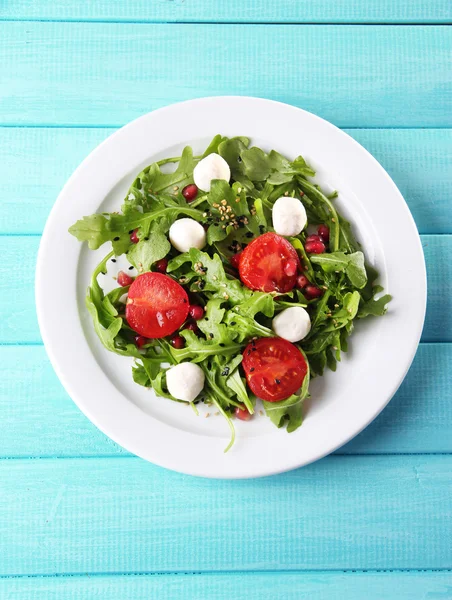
x=80 y=518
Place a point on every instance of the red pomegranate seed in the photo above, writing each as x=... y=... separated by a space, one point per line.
x=196 y=312
x=302 y=281
x=311 y=292
x=313 y=238
x=190 y=192
x=324 y=233
x=314 y=247
x=235 y=260
x=192 y=327
x=177 y=342
x=242 y=414
x=140 y=341
x=124 y=279
x=161 y=265
x=290 y=268
x=133 y=237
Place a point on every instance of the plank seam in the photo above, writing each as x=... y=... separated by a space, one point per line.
x=216 y=573
x=432 y=23
x=137 y=458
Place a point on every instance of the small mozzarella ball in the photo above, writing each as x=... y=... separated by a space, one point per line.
x=185 y=381
x=209 y=168
x=292 y=324
x=289 y=216
x=187 y=233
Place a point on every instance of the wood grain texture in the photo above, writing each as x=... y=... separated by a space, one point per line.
x=128 y=516
x=40 y=420
x=260 y=11
x=224 y=586
x=419 y=161
x=108 y=74
x=17 y=276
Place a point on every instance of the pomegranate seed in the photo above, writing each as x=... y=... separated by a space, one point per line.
x=235 y=260
x=192 y=327
x=133 y=237
x=311 y=292
x=324 y=233
x=290 y=268
x=140 y=341
x=190 y=192
x=242 y=414
x=196 y=312
x=302 y=281
x=177 y=342
x=161 y=265
x=313 y=238
x=314 y=247
x=124 y=279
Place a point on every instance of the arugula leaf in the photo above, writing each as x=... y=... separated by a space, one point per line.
x=144 y=254
x=351 y=264
x=374 y=307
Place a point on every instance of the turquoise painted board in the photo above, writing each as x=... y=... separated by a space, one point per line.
x=40 y=420
x=107 y=74
x=19 y=256
x=126 y=516
x=224 y=586
x=262 y=11
x=419 y=161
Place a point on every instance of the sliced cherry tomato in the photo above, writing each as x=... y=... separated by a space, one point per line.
x=156 y=305
x=263 y=264
x=274 y=368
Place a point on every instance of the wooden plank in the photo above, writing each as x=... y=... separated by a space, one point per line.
x=224 y=586
x=108 y=74
x=19 y=325
x=34 y=405
x=256 y=11
x=127 y=516
x=35 y=164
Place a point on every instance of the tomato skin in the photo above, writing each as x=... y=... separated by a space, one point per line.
x=156 y=305
x=263 y=263
x=274 y=368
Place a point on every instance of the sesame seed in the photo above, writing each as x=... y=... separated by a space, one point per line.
x=277 y=381
x=222 y=219
x=324 y=287
x=207 y=415
x=175 y=188
x=215 y=205
x=131 y=268
x=239 y=190
x=261 y=412
x=223 y=202
x=204 y=214
x=237 y=200
x=286 y=193
x=333 y=220
x=334 y=347
x=113 y=260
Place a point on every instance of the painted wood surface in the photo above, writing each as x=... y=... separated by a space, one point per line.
x=127 y=516
x=107 y=74
x=230 y=11
x=419 y=161
x=40 y=420
x=20 y=325
x=224 y=586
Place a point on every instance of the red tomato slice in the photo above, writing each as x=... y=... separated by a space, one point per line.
x=274 y=368
x=262 y=264
x=156 y=305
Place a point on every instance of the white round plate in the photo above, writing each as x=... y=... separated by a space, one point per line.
x=170 y=434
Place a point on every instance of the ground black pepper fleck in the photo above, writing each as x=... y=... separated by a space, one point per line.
x=249 y=234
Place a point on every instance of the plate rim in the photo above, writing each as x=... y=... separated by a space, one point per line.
x=43 y=310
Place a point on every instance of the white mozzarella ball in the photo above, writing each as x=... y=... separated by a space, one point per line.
x=289 y=216
x=187 y=233
x=209 y=168
x=292 y=324
x=185 y=381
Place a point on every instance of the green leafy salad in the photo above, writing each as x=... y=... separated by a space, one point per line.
x=244 y=281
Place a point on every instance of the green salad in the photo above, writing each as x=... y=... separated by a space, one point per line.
x=244 y=282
